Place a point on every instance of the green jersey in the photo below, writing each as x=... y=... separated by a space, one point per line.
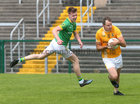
x=67 y=29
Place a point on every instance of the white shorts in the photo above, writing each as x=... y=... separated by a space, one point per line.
x=113 y=62
x=60 y=49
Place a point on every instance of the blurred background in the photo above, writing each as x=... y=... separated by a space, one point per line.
x=26 y=28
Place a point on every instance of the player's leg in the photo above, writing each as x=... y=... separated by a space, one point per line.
x=49 y=50
x=113 y=66
x=66 y=53
x=110 y=66
x=118 y=65
x=112 y=73
x=29 y=57
x=113 y=76
x=75 y=61
x=35 y=56
x=116 y=91
x=118 y=78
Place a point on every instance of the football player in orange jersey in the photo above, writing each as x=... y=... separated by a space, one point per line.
x=111 y=57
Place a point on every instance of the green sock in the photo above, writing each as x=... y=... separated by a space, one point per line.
x=21 y=59
x=79 y=78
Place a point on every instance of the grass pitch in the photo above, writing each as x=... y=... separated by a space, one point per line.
x=64 y=89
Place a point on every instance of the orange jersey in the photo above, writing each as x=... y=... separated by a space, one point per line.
x=103 y=37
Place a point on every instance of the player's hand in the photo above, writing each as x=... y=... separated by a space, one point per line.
x=59 y=42
x=108 y=46
x=81 y=44
x=115 y=42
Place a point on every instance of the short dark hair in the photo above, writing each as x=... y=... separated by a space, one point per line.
x=106 y=18
x=72 y=10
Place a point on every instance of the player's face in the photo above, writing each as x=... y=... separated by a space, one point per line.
x=108 y=26
x=73 y=16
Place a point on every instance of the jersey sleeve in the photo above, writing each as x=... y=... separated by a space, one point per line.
x=98 y=37
x=63 y=25
x=118 y=32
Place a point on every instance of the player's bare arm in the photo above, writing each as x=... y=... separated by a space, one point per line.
x=55 y=33
x=78 y=39
x=122 y=42
x=99 y=47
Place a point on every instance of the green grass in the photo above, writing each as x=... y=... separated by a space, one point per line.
x=64 y=89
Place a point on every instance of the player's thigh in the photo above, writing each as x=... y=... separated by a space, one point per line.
x=60 y=49
x=110 y=66
x=49 y=49
x=108 y=63
x=68 y=54
x=113 y=72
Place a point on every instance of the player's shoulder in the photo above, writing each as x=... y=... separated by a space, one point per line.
x=115 y=28
x=100 y=30
x=65 y=23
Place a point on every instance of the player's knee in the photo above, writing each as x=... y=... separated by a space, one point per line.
x=76 y=60
x=114 y=77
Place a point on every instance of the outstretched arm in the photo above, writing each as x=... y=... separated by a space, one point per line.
x=122 y=42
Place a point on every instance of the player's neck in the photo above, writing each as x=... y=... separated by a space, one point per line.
x=106 y=30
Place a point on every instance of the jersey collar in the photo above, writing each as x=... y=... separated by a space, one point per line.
x=69 y=20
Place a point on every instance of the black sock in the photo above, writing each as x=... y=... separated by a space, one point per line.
x=115 y=84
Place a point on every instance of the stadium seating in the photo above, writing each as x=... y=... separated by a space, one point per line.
x=12 y=12
x=121 y=11
x=27 y=11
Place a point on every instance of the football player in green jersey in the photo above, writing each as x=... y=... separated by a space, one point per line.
x=59 y=45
